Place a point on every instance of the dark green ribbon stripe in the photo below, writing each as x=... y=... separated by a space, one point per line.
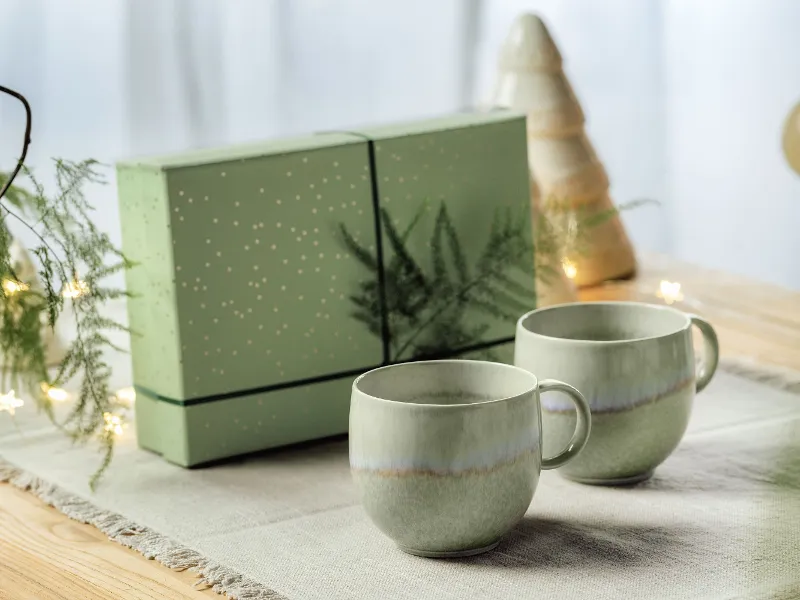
x=310 y=380
x=376 y=209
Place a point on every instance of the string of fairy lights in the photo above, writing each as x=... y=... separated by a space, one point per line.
x=570 y=268
x=668 y=291
x=115 y=423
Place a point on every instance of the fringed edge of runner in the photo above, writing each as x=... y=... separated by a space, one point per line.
x=144 y=540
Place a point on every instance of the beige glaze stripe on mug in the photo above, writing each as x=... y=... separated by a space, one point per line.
x=446 y=455
x=615 y=388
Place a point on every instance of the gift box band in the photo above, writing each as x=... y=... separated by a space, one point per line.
x=312 y=380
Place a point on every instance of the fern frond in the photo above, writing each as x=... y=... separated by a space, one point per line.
x=502 y=299
x=362 y=254
x=489 y=308
x=597 y=219
x=440 y=276
x=18 y=197
x=70 y=247
x=368 y=319
x=408 y=267
x=459 y=261
x=429 y=313
x=423 y=207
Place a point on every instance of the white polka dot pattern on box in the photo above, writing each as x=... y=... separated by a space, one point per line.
x=243 y=330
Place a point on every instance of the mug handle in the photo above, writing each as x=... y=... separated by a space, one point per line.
x=708 y=366
x=582 y=427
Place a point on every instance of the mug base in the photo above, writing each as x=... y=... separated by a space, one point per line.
x=630 y=480
x=453 y=554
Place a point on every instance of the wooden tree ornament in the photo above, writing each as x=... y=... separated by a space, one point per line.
x=562 y=159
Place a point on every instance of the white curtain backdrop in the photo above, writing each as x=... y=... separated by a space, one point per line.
x=685 y=100
x=733 y=76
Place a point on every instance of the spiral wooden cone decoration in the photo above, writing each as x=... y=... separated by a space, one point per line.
x=562 y=159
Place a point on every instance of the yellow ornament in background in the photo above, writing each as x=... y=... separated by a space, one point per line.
x=791 y=139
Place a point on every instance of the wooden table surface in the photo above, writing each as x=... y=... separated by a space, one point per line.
x=46 y=556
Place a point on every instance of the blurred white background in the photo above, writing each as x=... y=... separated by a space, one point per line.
x=685 y=100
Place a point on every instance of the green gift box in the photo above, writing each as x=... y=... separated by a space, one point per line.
x=270 y=275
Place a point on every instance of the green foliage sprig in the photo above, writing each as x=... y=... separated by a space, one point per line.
x=562 y=229
x=430 y=310
x=73 y=255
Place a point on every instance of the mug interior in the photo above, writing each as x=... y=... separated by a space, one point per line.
x=605 y=321
x=446 y=383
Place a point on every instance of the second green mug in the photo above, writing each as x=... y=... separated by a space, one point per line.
x=635 y=364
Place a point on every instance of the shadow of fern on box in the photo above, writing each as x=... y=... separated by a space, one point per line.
x=432 y=307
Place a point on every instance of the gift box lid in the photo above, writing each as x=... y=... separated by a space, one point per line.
x=209 y=156
x=456 y=121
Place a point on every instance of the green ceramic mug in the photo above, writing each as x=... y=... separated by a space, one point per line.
x=447 y=454
x=635 y=364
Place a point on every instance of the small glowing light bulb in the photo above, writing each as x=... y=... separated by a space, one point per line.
x=12 y=286
x=9 y=402
x=126 y=395
x=114 y=423
x=53 y=393
x=570 y=270
x=670 y=291
x=75 y=289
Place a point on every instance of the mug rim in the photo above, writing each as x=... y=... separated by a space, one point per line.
x=654 y=307
x=493 y=401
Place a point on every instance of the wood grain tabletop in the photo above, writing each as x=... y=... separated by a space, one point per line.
x=46 y=556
